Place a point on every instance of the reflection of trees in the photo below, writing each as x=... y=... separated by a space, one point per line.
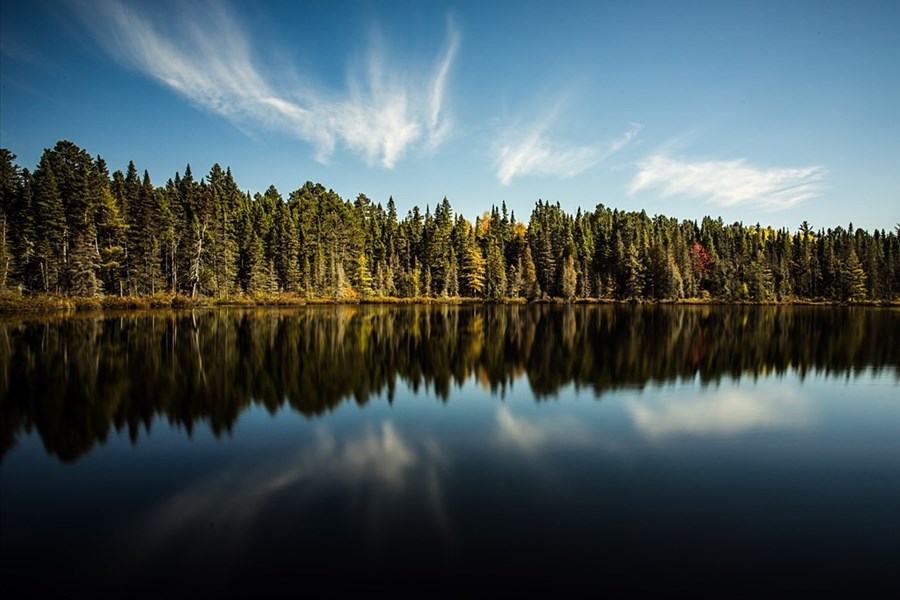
x=72 y=380
x=631 y=346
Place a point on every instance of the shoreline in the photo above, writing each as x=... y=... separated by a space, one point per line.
x=12 y=303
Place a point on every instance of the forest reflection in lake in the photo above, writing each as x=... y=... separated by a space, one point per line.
x=733 y=439
x=73 y=380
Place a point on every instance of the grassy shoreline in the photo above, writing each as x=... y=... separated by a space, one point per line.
x=13 y=303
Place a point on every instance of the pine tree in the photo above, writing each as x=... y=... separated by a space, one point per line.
x=495 y=272
x=144 y=258
x=27 y=272
x=761 y=283
x=84 y=263
x=452 y=276
x=225 y=198
x=111 y=232
x=530 y=286
x=633 y=273
x=363 y=278
x=473 y=266
x=676 y=282
x=10 y=190
x=286 y=261
x=853 y=278
x=568 y=279
x=413 y=285
x=514 y=280
x=50 y=225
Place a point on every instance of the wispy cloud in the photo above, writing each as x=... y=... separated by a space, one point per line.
x=381 y=115
x=529 y=435
x=729 y=183
x=728 y=413
x=621 y=141
x=439 y=125
x=379 y=468
x=533 y=152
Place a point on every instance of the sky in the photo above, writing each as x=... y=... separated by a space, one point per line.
x=759 y=112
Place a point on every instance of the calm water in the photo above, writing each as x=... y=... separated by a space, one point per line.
x=198 y=453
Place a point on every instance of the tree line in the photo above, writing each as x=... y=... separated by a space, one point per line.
x=69 y=227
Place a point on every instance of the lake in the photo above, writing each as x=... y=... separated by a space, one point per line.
x=427 y=448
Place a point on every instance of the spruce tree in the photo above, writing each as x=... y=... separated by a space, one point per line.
x=10 y=190
x=50 y=225
x=568 y=279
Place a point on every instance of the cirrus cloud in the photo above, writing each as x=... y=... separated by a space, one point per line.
x=534 y=152
x=729 y=182
x=205 y=56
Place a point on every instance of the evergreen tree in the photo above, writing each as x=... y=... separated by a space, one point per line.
x=495 y=272
x=568 y=279
x=10 y=191
x=225 y=198
x=633 y=273
x=286 y=260
x=144 y=258
x=852 y=277
x=50 y=226
x=531 y=288
x=111 y=232
x=473 y=266
x=452 y=275
x=363 y=279
x=24 y=237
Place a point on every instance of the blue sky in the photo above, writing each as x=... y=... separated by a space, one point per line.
x=770 y=112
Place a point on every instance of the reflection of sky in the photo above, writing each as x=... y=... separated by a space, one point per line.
x=725 y=411
x=381 y=463
x=376 y=465
x=728 y=410
x=622 y=420
x=531 y=435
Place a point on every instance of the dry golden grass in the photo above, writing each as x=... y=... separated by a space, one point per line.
x=15 y=302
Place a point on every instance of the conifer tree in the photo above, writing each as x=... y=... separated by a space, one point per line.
x=50 y=225
x=530 y=285
x=495 y=272
x=10 y=190
x=569 y=279
x=473 y=265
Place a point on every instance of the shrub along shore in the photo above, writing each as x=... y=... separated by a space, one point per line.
x=15 y=303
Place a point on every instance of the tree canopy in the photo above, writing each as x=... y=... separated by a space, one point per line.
x=70 y=227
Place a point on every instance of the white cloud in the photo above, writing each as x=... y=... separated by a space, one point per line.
x=729 y=183
x=529 y=435
x=518 y=432
x=533 y=152
x=730 y=412
x=439 y=126
x=622 y=141
x=210 y=61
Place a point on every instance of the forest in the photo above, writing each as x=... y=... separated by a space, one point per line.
x=70 y=228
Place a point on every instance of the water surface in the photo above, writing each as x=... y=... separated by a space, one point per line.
x=708 y=448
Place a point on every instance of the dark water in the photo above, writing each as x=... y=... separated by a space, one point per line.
x=467 y=449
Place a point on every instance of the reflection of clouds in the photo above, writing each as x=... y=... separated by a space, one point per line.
x=378 y=458
x=379 y=466
x=531 y=434
x=519 y=432
x=731 y=411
